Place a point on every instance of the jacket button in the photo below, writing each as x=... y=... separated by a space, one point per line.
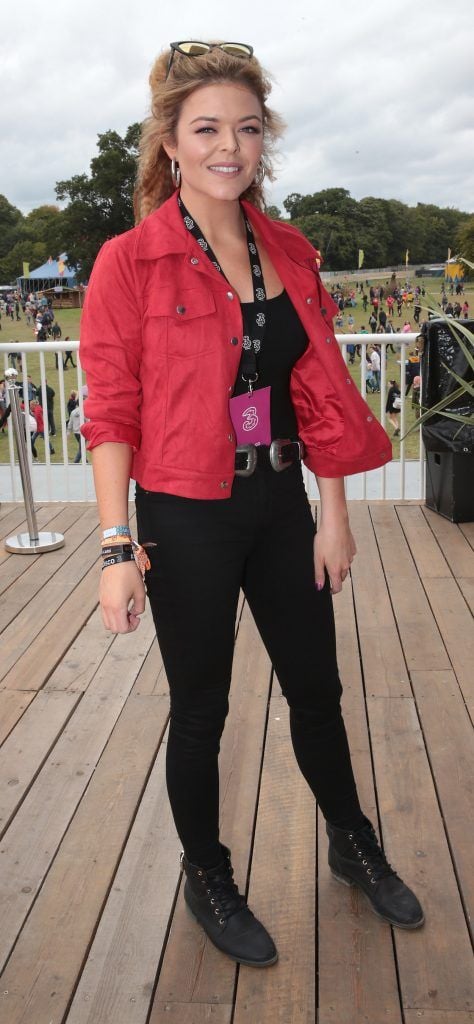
x=230 y=437
x=230 y=295
x=230 y=388
x=328 y=340
x=181 y=309
x=309 y=300
x=234 y=341
x=224 y=483
x=194 y=260
x=323 y=311
x=348 y=380
x=369 y=419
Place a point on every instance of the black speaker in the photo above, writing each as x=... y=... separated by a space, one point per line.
x=449 y=444
x=450 y=485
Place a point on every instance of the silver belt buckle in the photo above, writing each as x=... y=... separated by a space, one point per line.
x=276 y=447
x=251 y=453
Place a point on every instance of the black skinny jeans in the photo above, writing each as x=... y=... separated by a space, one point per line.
x=261 y=540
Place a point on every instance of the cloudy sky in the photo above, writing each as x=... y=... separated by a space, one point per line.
x=378 y=97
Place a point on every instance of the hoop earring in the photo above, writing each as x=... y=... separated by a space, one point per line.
x=175 y=173
x=259 y=174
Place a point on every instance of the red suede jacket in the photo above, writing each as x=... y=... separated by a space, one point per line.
x=161 y=339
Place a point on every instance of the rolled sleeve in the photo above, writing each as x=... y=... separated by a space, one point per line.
x=110 y=349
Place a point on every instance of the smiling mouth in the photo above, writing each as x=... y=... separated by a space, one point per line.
x=225 y=169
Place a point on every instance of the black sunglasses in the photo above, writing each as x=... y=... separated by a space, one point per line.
x=192 y=48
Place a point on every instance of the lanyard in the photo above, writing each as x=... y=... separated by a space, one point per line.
x=254 y=321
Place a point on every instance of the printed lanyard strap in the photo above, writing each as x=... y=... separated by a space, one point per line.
x=254 y=322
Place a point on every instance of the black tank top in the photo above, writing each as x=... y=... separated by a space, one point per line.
x=284 y=342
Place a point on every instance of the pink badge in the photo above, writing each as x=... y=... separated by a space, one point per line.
x=250 y=415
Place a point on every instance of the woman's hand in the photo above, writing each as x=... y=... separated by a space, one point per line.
x=122 y=597
x=334 y=549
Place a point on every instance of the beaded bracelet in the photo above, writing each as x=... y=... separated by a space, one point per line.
x=117 y=559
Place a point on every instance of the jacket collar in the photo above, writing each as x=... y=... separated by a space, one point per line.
x=163 y=233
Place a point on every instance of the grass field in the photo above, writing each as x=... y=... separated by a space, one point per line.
x=69 y=319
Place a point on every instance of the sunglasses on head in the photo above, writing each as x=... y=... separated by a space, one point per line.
x=192 y=48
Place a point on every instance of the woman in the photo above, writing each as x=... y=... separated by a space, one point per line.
x=392 y=407
x=213 y=370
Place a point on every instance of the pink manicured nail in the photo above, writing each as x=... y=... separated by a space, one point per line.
x=320 y=586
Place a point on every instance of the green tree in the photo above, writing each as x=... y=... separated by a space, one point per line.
x=101 y=203
x=11 y=266
x=274 y=212
x=46 y=224
x=373 y=231
x=10 y=226
x=465 y=243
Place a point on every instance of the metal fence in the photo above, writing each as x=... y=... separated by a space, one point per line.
x=65 y=481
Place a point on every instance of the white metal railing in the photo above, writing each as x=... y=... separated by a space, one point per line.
x=64 y=481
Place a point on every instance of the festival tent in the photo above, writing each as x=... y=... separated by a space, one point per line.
x=454 y=269
x=52 y=274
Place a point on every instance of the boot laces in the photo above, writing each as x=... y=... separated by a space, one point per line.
x=223 y=891
x=367 y=847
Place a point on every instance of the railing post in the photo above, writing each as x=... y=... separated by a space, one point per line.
x=33 y=541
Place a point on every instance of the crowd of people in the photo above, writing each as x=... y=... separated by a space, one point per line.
x=39 y=315
x=32 y=411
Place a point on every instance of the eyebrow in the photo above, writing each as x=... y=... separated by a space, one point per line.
x=249 y=117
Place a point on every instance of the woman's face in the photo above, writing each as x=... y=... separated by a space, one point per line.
x=219 y=141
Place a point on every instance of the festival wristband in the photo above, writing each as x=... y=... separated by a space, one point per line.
x=115 y=531
x=116 y=559
x=116 y=549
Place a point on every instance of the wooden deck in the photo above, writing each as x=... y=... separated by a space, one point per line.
x=93 y=925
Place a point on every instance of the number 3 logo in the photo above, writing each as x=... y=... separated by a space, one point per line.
x=250 y=418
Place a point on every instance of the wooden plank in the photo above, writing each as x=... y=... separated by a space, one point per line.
x=456 y=626
x=29 y=623
x=195 y=1013
x=351 y=938
x=43 y=570
x=385 y=671
x=119 y=974
x=424 y=548
x=454 y=542
x=466 y=587
x=193 y=971
x=282 y=885
x=421 y=640
x=30 y=844
x=467 y=530
x=64 y=617
x=41 y=655
x=15 y=566
x=13 y=705
x=448 y=735
x=434 y=962
x=14 y=521
x=439 y=1017
x=41 y=974
x=151 y=679
x=26 y=748
x=84 y=656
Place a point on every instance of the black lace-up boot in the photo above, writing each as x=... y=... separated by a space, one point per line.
x=355 y=858
x=214 y=899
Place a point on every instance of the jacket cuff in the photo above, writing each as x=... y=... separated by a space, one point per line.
x=329 y=465
x=117 y=433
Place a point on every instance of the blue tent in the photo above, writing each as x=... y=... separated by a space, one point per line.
x=49 y=276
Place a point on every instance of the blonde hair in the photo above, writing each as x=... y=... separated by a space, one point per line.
x=154 y=183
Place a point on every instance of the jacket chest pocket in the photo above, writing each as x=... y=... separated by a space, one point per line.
x=188 y=315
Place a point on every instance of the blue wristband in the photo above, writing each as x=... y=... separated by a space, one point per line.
x=116 y=531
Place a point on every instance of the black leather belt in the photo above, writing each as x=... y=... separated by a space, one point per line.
x=282 y=452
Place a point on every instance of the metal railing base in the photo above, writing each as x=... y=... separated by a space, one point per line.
x=24 y=544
